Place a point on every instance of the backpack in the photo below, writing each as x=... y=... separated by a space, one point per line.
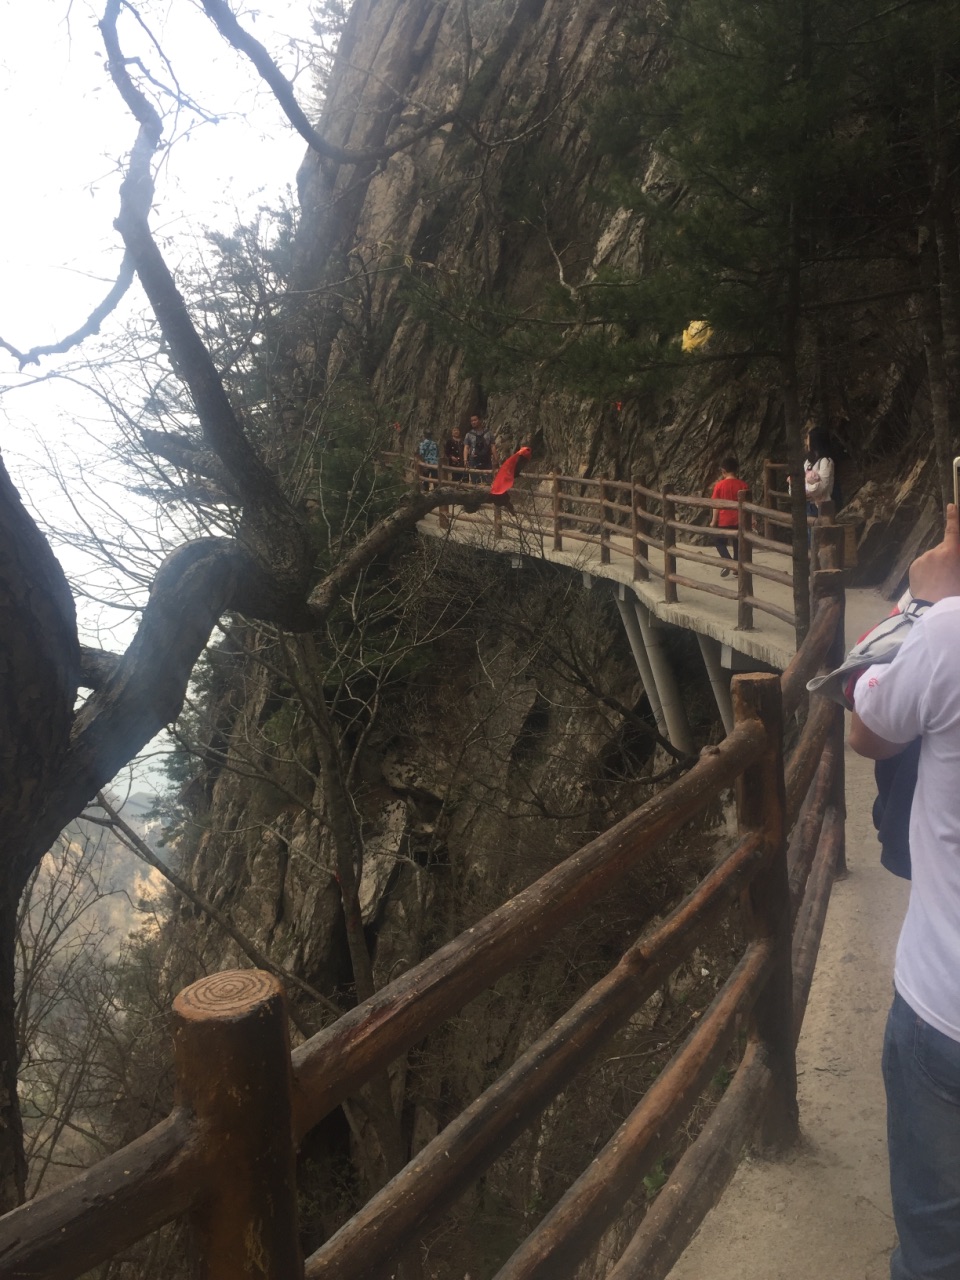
x=896 y=779
x=481 y=452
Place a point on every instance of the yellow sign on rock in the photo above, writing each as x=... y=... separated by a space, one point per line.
x=695 y=335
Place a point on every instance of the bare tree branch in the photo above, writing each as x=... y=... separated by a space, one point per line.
x=228 y=26
x=139 y=846
x=89 y=327
x=187 y=456
x=270 y=524
x=382 y=535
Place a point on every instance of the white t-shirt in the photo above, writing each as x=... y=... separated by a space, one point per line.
x=818 y=479
x=919 y=694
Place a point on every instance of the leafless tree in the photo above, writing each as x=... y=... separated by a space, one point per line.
x=55 y=755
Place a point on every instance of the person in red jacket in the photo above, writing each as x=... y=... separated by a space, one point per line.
x=727 y=518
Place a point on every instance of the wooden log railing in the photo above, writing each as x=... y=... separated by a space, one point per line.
x=654 y=533
x=224 y=1158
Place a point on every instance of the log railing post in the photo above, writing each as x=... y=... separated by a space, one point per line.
x=821 y=532
x=604 y=527
x=232 y=1057
x=640 y=547
x=497 y=521
x=768 y=474
x=761 y=807
x=555 y=491
x=669 y=508
x=443 y=513
x=744 y=562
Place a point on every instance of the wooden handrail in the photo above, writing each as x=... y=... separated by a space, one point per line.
x=555 y=1249
x=447 y=1165
x=204 y=1158
x=810 y=656
x=584 y=509
x=330 y=1065
x=151 y=1181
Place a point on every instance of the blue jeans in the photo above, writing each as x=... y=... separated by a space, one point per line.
x=921 y=1072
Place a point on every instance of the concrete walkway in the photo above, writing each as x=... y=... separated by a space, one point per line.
x=826 y=1210
x=530 y=533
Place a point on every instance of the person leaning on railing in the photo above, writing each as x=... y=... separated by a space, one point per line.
x=918 y=695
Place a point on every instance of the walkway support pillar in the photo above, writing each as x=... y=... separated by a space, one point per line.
x=719 y=679
x=637 y=647
x=761 y=807
x=232 y=1056
x=668 y=691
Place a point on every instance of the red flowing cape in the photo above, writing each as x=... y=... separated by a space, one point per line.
x=508 y=472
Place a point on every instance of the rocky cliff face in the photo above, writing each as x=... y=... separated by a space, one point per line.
x=518 y=735
x=518 y=732
x=501 y=201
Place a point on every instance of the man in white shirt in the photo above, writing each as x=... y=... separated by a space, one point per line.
x=918 y=695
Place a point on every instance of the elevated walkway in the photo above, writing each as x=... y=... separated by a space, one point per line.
x=771 y=641
x=821 y=1211
x=667 y=574
x=825 y=1210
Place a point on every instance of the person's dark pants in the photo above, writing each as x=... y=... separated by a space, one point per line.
x=921 y=1072
x=724 y=543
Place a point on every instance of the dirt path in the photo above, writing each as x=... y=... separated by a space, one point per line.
x=826 y=1210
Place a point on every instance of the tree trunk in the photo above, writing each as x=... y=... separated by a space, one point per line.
x=793 y=429
x=948 y=259
x=931 y=328
x=347 y=840
x=13 y=1165
x=799 y=226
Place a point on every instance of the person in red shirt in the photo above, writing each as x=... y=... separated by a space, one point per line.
x=727 y=518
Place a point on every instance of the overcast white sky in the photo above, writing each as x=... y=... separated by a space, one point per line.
x=63 y=138
x=65 y=131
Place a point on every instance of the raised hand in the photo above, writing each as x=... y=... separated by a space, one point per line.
x=936 y=574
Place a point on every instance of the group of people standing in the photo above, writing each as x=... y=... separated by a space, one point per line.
x=474 y=453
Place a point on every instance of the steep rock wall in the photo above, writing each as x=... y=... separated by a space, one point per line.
x=503 y=200
x=489 y=768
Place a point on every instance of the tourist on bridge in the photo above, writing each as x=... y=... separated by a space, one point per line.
x=429 y=453
x=453 y=450
x=818 y=469
x=728 y=487
x=918 y=695
x=479 y=451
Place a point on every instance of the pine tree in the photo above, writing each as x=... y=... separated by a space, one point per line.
x=761 y=150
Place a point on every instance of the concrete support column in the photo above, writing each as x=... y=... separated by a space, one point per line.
x=678 y=730
x=719 y=679
x=632 y=628
x=655 y=670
